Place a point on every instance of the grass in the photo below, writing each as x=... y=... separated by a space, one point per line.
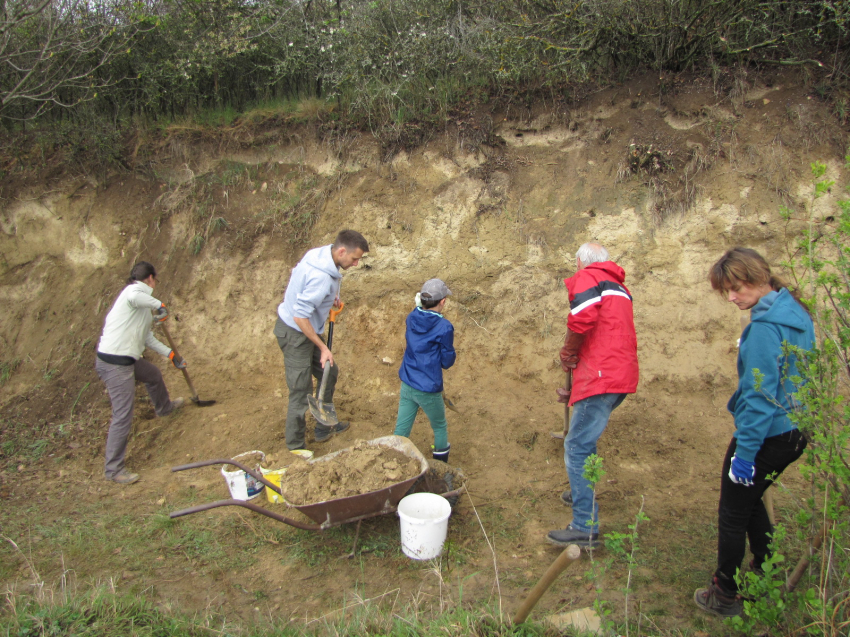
x=674 y=558
x=7 y=368
x=100 y=612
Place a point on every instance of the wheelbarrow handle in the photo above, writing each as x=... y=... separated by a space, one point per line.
x=248 y=470
x=247 y=505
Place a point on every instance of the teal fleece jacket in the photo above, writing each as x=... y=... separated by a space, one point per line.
x=776 y=319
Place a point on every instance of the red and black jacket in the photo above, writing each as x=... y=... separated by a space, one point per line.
x=601 y=308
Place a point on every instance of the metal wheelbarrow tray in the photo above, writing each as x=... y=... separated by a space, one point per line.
x=330 y=512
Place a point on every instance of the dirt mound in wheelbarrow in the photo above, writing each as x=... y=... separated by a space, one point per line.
x=361 y=469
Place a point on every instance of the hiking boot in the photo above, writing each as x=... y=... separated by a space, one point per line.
x=323 y=433
x=124 y=477
x=567 y=498
x=569 y=535
x=718 y=602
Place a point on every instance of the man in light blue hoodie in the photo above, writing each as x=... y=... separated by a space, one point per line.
x=312 y=291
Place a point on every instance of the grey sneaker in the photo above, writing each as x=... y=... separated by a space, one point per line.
x=176 y=404
x=567 y=498
x=124 y=477
x=569 y=535
x=323 y=433
x=717 y=602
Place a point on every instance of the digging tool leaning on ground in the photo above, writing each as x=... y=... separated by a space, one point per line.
x=601 y=351
x=312 y=290
x=119 y=363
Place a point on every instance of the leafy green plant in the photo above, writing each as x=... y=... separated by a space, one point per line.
x=764 y=599
x=593 y=473
x=624 y=546
x=819 y=264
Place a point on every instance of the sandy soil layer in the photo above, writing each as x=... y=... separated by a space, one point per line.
x=500 y=225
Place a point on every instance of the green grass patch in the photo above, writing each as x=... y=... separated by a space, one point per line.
x=7 y=368
x=101 y=613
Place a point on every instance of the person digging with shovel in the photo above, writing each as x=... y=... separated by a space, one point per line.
x=312 y=291
x=119 y=363
x=601 y=351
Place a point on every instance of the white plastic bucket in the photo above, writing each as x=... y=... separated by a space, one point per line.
x=424 y=524
x=242 y=485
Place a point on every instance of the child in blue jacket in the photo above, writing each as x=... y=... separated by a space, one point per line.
x=430 y=350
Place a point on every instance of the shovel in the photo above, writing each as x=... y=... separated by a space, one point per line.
x=194 y=397
x=323 y=411
x=568 y=385
x=450 y=404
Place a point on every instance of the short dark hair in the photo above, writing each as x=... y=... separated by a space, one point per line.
x=427 y=304
x=141 y=271
x=351 y=240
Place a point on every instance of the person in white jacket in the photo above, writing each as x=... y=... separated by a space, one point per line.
x=119 y=363
x=312 y=291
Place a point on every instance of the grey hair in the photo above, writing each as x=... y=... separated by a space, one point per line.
x=591 y=253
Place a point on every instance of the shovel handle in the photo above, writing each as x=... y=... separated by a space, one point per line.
x=565 y=559
x=332 y=319
x=320 y=395
x=335 y=312
x=568 y=385
x=176 y=353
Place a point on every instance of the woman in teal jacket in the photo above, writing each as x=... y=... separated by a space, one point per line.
x=765 y=440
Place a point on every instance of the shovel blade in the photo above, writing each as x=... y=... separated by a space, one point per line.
x=202 y=403
x=323 y=412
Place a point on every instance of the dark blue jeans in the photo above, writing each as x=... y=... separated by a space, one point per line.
x=741 y=513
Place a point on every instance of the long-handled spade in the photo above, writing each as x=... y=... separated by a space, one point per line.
x=194 y=397
x=322 y=411
x=568 y=386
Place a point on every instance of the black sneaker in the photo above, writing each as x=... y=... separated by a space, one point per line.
x=569 y=535
x=323 y=433
x=717 y=602
x=567 y=498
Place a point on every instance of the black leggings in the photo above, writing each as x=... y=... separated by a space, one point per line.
x=741 y=512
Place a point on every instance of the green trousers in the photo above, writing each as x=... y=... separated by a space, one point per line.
x=302 y=362
x=410 y=400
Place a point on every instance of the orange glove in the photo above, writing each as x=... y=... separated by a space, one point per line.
x=161 y=315
x=179 y=361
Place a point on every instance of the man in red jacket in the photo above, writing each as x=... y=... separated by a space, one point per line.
x=601 y=352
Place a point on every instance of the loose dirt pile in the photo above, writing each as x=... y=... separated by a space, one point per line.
x=362 y=469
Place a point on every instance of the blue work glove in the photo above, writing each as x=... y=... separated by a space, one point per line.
x=161 y=315
x=742 y=471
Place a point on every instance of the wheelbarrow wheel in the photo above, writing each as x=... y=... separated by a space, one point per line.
x=440 y=478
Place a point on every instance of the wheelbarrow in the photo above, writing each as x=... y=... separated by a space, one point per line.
x=330 y=513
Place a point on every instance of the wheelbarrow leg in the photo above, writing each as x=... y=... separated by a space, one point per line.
x=356 y=537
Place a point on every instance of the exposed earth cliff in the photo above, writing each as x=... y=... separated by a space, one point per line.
x=667 y=175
